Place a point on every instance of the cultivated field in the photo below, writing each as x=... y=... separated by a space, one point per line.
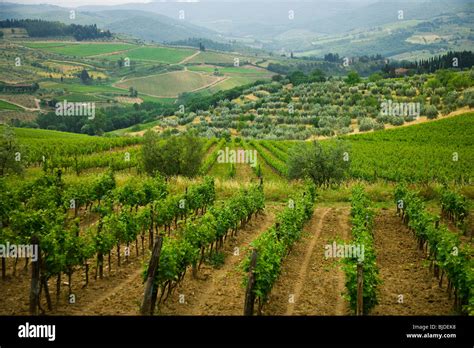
x=170 y=84
x=301 y=271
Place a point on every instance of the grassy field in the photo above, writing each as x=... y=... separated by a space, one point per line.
x=213 y=57
x=80 y=88
x=155 y=54
x=157 y=100
x=81 y=97
x=45 y=45
x=29 y=134
x=149 y=61
x=7 y=106
x=82 y=49
x=236 y=76
x=230 y=70
x=169 y=84
x=231 y=82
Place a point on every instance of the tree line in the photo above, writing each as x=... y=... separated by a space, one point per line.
x=118 y=117
x=40 y=28
x=203 y=44
x=452 y=59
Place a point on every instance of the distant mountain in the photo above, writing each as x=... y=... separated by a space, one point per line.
x=318 y=27
x=346 y=27
x=264 y=19
x=248 y=18
x=136 y=23
x=387 y=11
x=152 y=26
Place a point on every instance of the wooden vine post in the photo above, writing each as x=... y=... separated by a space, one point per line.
x=249 y=293
x=35 y=279
x=360 y=289
x=149 y=298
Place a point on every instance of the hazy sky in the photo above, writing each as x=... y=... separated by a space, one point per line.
x=75 y=3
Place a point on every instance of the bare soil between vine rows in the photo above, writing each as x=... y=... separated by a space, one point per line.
x=405 y=272
x=120 y=292
x=309 y=284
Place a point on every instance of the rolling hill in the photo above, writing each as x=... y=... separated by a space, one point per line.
x=153 y=26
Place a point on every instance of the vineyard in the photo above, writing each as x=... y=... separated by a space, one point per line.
x=398 y=154
x=96 y=217
x=442 y=247
x=230 y=173
x=111 y=235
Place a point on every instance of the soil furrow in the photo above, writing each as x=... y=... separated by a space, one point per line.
x=408 y=286
x=218 y=291
x=310 y=284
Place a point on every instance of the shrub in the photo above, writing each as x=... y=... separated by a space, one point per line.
x=431 y=112
x=322 y=165
x=366 y=124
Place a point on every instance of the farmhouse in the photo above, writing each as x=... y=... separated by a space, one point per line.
x=401 y=72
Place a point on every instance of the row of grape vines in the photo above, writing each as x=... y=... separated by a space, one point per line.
x=275 y=163
x=274 y=150
x=211 y=158
x=118 y=160
x=39 y=213
x=36 y=143
x=362 y=233
x=454 y=206
x=404 y=153
x=444 y=250
x=204 y=235
x=272 y=246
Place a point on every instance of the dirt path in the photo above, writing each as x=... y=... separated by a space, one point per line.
x=37 y=104
x=244 y=172
x=218 y=80
x=219 y=291
x=123 y=299
x=76 y=63
x=403 y=271
x=421 y=119
x=111 y=53
x=211 y=84
x=343 y=223
x=189 y=58
x=22 y=106
x=304 y=266
x=100 y=297
x=309 y=283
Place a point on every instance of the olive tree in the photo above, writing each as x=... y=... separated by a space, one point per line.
x=323 y=165
x=10 y=152
x=431 y=111
x=175 y=155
